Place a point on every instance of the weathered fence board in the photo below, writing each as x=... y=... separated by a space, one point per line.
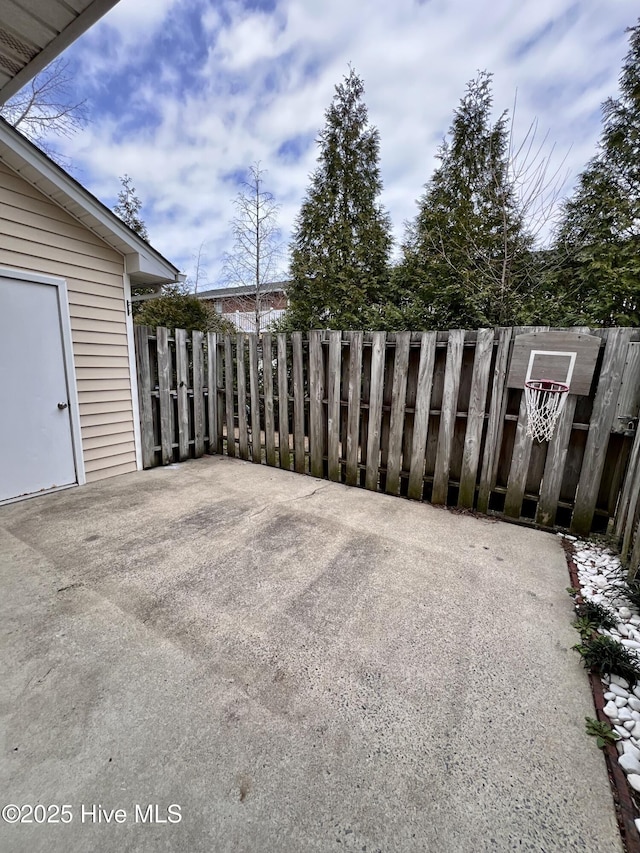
x=243 y=435
x=215 y=438
x=418 y=414
x=198 y=393
x=421 y=414
x=385 y=422
x=629 y=396
x=333 y=404
x=448 y=410
x=164 y=394
x=316 y=396
x=220 y=394
x=269 y=419
x=521 y=456
x=143 y=368
x=475 y=417
x=396 y=426
x=228 y=390
x=630 y=499
x=364 y=408
x=283 y=404
x=634 y=560
x=298 y=403
x=353 y=403
x=555 y=465
x=254 y=388
x=495 y=426
x=375 y=409
x=182 y=393
x=604 y=408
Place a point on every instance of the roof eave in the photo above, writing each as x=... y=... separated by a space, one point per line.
x=243 y=290
x=144 y=264
x=56 y=46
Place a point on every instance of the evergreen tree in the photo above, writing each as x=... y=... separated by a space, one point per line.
x=342 y=236
x=128 y=208
x=465 y=258
x=598 y=242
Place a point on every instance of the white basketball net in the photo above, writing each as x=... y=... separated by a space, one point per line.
x=545 y=400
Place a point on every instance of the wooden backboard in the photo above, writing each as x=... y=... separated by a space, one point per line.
x=561 y=356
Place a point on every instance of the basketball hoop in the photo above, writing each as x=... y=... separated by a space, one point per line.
x=545 y=399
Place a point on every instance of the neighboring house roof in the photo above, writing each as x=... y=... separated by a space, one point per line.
x=35 y=32
x=143 y=263
x=243 y=290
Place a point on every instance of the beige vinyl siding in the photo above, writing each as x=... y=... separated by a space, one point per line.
x=38 y=236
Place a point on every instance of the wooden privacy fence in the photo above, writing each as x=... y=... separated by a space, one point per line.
x=425 y=415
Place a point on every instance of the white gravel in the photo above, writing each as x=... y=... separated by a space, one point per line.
x=600 y=574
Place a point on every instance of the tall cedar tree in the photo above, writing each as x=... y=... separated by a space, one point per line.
x=599 y=238
x=465 y=256
x=342 y=236
x=128 y=208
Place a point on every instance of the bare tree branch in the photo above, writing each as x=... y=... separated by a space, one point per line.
x=200 y=271
x=258 y=248
x=46 y=106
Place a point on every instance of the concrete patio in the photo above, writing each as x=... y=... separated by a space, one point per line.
x=298 y=665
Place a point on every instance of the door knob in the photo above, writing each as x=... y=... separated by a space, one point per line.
x=62 y=406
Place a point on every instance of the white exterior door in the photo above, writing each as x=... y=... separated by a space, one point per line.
x=36 y=445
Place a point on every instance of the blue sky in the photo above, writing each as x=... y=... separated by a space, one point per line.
x=185 y=94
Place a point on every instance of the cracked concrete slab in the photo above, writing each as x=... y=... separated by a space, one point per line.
x=298 y=665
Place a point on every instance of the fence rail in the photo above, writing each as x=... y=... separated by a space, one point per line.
x=423 y=415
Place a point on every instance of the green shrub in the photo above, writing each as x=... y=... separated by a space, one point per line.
x=606 y=656
x=182 y=311
x=595 y=613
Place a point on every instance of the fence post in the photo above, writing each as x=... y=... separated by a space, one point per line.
x=143 y=367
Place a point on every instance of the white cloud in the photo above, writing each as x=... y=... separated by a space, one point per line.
x=253 y=38
x=139 y=20
x=206 y=88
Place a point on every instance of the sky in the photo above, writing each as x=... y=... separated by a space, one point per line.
x=184 y=95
